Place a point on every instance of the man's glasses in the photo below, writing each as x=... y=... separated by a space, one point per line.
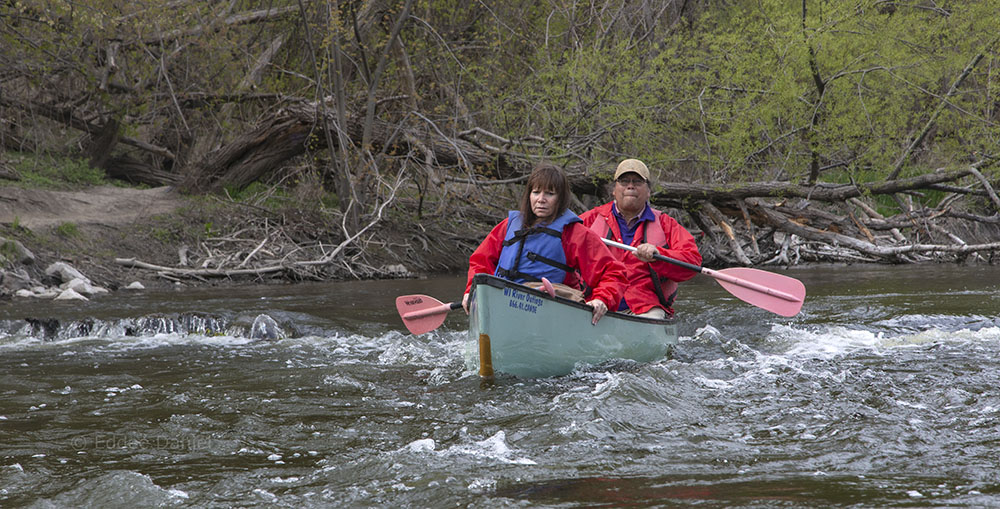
x=635 y=181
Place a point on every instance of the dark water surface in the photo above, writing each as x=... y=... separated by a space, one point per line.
x=884 y=391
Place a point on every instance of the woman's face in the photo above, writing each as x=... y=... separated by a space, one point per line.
x=543 y=203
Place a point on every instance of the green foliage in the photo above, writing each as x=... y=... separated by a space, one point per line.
x=330 y=201
x=260 y=194
x=732 y=96
x=711 y=92
x=163 y=235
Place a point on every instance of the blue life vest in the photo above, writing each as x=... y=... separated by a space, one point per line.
x=529 y=254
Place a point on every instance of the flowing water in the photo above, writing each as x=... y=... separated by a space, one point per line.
x=884 y=391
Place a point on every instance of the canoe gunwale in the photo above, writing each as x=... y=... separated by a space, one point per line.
x=495 y=282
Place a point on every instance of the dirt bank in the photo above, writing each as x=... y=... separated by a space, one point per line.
x=106 y=206
x=201 y=240
x=90 y=228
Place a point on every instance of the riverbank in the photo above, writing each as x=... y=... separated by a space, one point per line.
x=159 y=238
x=178 y=240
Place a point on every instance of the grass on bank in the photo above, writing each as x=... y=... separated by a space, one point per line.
x=53 y=172
x=56 y=172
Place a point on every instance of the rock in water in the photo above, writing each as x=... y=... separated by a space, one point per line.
x=264 y=327
x=70 y=294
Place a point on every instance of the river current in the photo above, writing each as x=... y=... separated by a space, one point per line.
x=883 y=391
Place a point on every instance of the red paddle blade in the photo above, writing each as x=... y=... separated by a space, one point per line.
x=776 y=293
x=410 y=307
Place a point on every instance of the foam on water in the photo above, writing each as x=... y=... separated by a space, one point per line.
x=391 y=348
x=492 y=449
x=834 y=341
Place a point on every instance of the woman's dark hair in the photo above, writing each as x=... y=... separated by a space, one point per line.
x=546 y=176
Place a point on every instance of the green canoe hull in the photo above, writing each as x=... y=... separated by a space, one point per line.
x=524 y=332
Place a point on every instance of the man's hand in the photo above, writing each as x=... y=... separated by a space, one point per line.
x=465 y=303
x=599 y=309
x=645 y=252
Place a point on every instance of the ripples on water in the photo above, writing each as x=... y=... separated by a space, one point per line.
x=883 y=391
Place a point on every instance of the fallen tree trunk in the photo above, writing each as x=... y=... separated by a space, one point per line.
x=298 y=128
x=819 y=192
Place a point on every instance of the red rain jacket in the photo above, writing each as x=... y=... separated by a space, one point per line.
x=598 y=267
x=680 y=245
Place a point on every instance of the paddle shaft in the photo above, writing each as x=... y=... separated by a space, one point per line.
x=715 y=274
x=443 y=308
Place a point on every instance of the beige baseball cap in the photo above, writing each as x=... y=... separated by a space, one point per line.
x=634 y=166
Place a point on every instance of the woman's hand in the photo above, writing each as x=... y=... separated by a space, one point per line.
x=465 y=303
x=599 y=309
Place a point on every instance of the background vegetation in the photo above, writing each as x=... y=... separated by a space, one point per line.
x=425 y=115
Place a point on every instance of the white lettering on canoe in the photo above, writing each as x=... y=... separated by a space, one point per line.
x=523 y=301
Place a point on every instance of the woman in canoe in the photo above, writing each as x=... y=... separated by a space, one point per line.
x=543 y=238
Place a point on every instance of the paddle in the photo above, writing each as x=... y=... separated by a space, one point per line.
x=421 y=313
x=776 y=293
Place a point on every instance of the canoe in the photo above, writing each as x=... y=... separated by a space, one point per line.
x=524 y=332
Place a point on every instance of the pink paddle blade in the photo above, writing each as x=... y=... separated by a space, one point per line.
x=422 y=313
x=776 y=293
x=549 y=288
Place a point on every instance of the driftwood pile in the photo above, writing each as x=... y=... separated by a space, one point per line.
x=761 y=224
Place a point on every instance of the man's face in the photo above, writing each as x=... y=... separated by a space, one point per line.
x=631 y=193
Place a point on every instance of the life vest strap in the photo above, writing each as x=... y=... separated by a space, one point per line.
x=515 y=274
x=539 y=258
x=521 y=234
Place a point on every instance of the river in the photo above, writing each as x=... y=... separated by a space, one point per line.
x=883 y=391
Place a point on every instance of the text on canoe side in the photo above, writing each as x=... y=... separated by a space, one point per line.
x=523 y=301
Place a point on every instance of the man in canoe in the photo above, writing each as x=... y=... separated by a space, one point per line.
x=628 y=219
x=543 y=238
